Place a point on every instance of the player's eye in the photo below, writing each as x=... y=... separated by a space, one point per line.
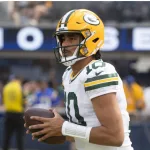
x=72 y=38
x=61 y=38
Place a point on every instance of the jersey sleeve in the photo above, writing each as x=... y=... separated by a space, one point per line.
x=104 y=82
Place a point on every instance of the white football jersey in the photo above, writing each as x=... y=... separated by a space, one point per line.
x=97 y=78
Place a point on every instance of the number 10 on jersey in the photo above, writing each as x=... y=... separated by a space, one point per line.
x=71 y=96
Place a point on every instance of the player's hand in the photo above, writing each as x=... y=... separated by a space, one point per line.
x=50 y=127
x=27 y=132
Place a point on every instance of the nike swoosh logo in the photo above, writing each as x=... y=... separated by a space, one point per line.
x=98 y=73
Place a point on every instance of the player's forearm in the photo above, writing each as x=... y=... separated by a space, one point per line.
x=104 y=136
x=109 y=136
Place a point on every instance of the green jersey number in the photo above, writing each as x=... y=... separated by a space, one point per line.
x=94 y=66
x=72 y=97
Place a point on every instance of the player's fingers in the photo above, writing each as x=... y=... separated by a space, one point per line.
x=44 y=137
x=38 y=126
x=42 y=119
x=27 y=132
x=33 y=137
x=50 y=109
x=35 y=134
x=56 y=113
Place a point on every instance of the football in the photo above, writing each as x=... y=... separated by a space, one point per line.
x=42 y=113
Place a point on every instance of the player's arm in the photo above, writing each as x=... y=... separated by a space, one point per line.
x=111 y=130
x=110 y=133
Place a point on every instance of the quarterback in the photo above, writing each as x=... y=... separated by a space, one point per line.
x=95 y=102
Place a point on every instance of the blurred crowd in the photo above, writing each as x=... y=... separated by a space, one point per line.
x=137 y=99
x=39 y=93
x=36 y=12
x=29 y=12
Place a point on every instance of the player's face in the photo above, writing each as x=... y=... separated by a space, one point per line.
x=70 y=41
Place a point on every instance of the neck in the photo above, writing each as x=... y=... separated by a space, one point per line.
x=79 y=65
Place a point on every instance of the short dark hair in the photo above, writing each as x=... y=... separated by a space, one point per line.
x=97 y=55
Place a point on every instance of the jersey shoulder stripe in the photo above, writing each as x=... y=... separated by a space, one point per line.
x=101 y=81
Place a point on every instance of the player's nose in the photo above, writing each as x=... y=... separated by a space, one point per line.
x=66 y=42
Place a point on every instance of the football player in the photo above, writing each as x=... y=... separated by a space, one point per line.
x=94 y=96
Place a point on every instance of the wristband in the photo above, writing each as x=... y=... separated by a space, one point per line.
x=74 y=130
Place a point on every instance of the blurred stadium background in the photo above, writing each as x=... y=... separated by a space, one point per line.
x=26 y=44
